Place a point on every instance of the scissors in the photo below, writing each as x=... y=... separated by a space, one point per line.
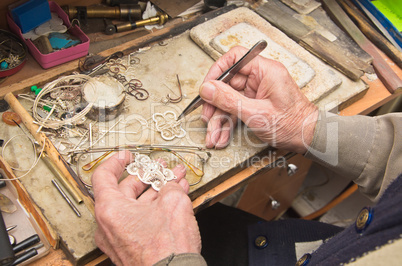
x=228 y=74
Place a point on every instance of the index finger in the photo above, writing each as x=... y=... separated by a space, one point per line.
x=228 y=60
x=106 y=176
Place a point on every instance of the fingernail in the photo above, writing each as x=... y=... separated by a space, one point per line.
x=207 y=91
x=181 y=167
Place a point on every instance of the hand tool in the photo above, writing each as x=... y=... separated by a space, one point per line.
x=64 y=195
x=51 y=151
x=132 y=11
x=62 y=179
x=25 y=256
x=26 y=243
x=160 y=19
x=228 y=74
x=11 y=228
x=6 y=251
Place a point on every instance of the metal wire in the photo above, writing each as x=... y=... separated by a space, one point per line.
x=145 y=149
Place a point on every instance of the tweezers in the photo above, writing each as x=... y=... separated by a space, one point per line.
x=228 y=74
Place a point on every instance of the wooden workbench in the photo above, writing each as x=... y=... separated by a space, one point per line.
x=376 y=96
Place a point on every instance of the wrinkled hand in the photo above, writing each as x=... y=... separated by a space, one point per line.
x=264 y=96
x=137 y=227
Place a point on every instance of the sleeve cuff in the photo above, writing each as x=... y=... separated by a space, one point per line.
x=193 y=259
x=345 y=144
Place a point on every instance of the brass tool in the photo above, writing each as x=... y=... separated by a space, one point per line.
x=160 y=19
x=228 y=74
x=132 y=11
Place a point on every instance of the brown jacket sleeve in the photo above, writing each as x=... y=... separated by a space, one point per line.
x=368 y=150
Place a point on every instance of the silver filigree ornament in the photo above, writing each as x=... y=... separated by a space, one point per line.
x=150 y=171
x=168 y=125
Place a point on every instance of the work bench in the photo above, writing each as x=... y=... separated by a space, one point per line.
x=263 y=184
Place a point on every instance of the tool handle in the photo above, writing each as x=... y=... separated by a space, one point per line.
x=25 y=256
x=6 y=250
x=26 y=243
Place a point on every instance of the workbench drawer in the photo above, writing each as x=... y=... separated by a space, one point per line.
x=274 y=185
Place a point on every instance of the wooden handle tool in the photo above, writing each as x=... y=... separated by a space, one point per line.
x=51 y=151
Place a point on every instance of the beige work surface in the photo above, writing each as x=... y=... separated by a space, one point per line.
x=328 y=88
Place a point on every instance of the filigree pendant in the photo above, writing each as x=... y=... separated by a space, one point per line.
x=168 y=125
x=150 y=171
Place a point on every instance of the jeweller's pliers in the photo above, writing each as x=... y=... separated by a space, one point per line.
x=228 y=74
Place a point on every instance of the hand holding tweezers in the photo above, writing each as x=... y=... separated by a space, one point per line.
x=228 y=74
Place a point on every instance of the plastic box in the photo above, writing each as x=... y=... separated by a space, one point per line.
x=57 y=57
x=31 y=14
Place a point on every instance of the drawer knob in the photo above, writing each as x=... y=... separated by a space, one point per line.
x=292 y=169
x=274 y=203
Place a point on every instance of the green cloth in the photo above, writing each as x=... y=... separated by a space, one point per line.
x=392 y=10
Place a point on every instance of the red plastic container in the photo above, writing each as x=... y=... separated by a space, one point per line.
x=11 y=71
x=57 y=57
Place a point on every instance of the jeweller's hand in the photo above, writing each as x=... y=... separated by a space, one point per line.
x=137 y=227
x=264 y=96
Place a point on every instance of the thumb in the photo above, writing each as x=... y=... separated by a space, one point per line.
x=222 y=96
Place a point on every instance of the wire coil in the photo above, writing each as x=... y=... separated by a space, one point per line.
x=53 y=86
